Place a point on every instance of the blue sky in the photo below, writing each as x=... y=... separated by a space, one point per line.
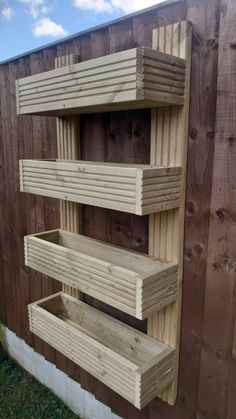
x=28 y=24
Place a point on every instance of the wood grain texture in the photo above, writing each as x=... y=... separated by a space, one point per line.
x=15 y=146
x=169 y=132
x=68 y=147
x=129 y=281
x=7 y=213
x=3 y=312
x=179 y=36
x=120 y=137
x=128 y=361
x=217 y=365
x=136 y=78
x=137 y=189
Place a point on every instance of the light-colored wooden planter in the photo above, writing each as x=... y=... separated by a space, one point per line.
x=131 y=363
x=137 y=189
x=136 y=78
x=130 y=281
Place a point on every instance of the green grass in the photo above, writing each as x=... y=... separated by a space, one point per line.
x=23 y=397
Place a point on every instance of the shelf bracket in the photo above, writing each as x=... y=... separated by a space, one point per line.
x=169 y=138
x=68 y=148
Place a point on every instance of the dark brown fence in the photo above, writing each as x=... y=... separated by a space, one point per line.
x=207 y=378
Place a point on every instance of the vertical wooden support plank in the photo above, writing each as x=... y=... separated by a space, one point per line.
x=169 y=134
x=68 y=148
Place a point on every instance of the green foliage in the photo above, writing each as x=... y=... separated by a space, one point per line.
x=2 y=354
x=23 y=397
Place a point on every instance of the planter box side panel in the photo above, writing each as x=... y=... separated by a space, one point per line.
x=122 y=188
x=156 y=378
x=109 y=187
x=134 y=78
x=61 y=336
x=88 y=276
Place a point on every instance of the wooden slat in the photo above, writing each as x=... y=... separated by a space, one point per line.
x=169 y=133
x=115 y=137
x=165 y=156
x=217 y=366
x=8 y=246
x=129 y=281
x=36 y=220
x=147 y=390
x=130 y=188
x=122 y=79
x=123 y=136
x=113 y=352
x=68 y=147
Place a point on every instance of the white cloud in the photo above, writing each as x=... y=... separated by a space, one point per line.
x=97 y=6
x=45 y=10
x=46 y=27
x=34 y=11
x=129 y=6
x=32 y=2
x=7 y=13
x=109 y=6
x=36 y=8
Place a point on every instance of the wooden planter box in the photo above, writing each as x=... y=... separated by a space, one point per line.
x=130 y=281
x=129 y=362
x=136 y=78
x=137 y=189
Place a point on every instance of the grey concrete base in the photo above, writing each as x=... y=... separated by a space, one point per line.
x=77 y=399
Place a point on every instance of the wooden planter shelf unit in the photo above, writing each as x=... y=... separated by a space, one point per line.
x=135 y=78
x=137 y=189
x=131 y=363
x=130 y=281
x=137 y=366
